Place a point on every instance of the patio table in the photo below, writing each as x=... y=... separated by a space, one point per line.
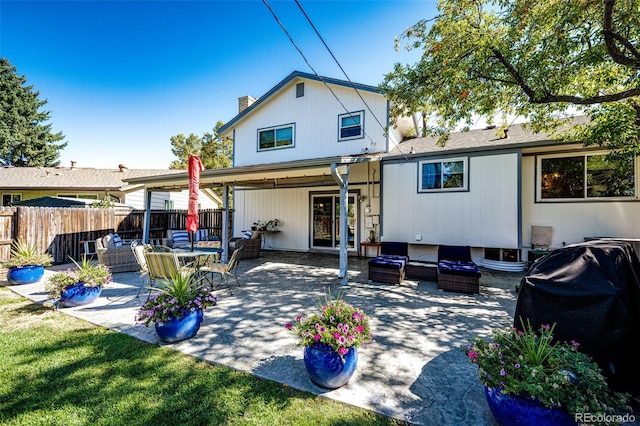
x=198 y=257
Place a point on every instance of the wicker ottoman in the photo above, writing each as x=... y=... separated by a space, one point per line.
x=387 y=269
x=459 y=276
x=424 y=271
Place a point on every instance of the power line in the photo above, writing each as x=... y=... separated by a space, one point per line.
x=340 y=66
x=315 y=72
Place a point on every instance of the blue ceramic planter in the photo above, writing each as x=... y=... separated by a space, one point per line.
x=178 y=329
x=514 y=410
x=78 y=295
x=25 y=274
x=325 y=367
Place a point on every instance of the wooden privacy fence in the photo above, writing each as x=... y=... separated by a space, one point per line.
x=62 y=231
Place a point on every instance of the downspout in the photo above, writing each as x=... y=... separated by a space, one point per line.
x=343 y=184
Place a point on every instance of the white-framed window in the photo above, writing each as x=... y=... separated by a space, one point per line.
x=10 y=198
x=276 y=137
x=168 y=204
x=588 y=176
x=443 y=175
x=351 y=126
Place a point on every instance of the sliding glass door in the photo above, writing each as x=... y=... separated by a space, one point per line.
x=326 y=221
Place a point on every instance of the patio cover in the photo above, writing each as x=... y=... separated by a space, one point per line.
x=329 y=171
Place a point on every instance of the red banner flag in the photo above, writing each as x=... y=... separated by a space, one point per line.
x=195 y=167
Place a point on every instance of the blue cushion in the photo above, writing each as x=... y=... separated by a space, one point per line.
x=398 y=249
x=180 y=237
x=247 y=235
x=389 y=261
x=117 y=241
x=458 y=267
x=202 y=235
x=454 y=253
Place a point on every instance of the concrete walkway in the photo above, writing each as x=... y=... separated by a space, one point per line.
x=415 y=371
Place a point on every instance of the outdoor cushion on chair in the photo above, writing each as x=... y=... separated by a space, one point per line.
x=388 y=268
x=463 y=268
x=456 y=270
x=178 y=238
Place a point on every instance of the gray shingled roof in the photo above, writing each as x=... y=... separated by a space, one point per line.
x=78 y=178
x=49 y=201
x=476 y=140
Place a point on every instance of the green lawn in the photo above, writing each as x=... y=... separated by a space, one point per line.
x=59 y=370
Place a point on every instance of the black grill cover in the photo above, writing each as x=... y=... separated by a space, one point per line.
x=591 y=291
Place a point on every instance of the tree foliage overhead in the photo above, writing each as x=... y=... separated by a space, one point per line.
x=214 y=150
x=25 y=139
x=538 y=59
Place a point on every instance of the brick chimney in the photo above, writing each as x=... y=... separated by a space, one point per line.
x=245 y=102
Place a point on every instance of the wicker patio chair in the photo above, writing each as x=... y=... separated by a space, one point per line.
x=252 y=246
x=456 y=270
x=117 y=259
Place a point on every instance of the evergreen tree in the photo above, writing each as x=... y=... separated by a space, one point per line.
x=214 y=150
x=26 y=139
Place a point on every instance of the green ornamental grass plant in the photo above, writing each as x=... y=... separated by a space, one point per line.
x=92 y=275
x=530 y=363
x=338 y=325
x=25 y=254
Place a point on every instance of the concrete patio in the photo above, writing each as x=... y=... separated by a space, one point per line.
x=415 y=371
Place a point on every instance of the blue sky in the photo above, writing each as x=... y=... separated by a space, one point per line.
x=122 y=77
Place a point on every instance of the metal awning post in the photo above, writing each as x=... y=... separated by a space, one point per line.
x=343 y=182
x=225 y=223
x=147 y=216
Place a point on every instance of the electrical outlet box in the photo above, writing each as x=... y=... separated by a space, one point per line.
x=418 y=237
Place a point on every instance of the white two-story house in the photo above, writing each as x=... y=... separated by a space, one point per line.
x=302 y=127
x=315 y=153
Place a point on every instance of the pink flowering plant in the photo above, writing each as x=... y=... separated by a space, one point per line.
x=338 y=325
x=176 y=297
x=531 y=363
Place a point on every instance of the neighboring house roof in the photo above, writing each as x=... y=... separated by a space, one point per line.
x=71 y=178
x=59 y=202
x=476 y=140
x=284 y=83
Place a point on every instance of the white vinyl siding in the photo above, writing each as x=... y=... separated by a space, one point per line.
x=316 y=125
x=484 y=216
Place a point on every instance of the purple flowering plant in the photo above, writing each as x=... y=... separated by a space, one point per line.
x=87 y=272
x=338 y=325
x=177 y=296
x=532 y=363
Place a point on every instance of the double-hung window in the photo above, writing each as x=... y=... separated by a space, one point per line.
x=443 y=175
x=276 y=137
x=585 y=176
x=351 y=126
